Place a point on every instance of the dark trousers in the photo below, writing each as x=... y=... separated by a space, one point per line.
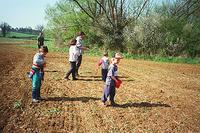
x=104 y=74
x=78 y=63
x=39 y=45
x=72 y=70
x=35 y=93
x=108 y=91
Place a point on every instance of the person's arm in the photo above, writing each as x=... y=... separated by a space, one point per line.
x=99 y=64
x=84 y=48
x=113 y=77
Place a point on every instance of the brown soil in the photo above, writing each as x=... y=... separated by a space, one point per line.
x=154 y=97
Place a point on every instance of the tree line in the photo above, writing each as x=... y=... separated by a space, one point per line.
x=6 y=28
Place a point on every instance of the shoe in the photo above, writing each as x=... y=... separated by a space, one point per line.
x=35 y=100
x=66 y=78
x=74 y=79
x=40 y=98
x=113 y=103
x=104 y=104
x=77 y=75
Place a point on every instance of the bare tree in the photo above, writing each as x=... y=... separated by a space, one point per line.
x=5 y=28
x=112 y=16
x=40 y=28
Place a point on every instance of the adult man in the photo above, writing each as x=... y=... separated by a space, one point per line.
x=81 y=48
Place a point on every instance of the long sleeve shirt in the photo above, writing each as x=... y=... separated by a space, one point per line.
x=104 y=62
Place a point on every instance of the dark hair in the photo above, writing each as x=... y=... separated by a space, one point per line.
x=81 y=33
x=105 y=54
x=43 y=49
x=73 y=41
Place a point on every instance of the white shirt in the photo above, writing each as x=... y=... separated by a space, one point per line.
x=73 y=53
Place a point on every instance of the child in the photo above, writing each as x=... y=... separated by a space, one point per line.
x=73 y=56
x=37 y=73
x=104 y=62
x=112 y=78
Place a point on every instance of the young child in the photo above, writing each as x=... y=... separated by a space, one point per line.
x=73 y=56
x=112 y=78
x=37 y=72
x=104 y=63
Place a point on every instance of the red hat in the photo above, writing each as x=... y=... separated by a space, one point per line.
x=117 y=56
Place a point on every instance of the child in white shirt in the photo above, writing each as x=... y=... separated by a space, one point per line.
x=73 y=56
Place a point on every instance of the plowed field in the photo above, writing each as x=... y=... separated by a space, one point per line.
x=153 y=98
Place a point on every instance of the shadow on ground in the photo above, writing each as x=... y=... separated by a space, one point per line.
x=83 y=99
x=142 y=104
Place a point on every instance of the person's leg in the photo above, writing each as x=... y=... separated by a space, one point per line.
x=73 y=65
x=38 y=90
x=36 y=85
x=106 y=93
x=69 y=72
x=78 y=63
x=104 y=74
x=112 y=94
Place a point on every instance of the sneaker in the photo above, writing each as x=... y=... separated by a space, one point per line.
x=66 y=78
x=74 y=79
x=112 y=103
x=104 y=104
x=35 y=100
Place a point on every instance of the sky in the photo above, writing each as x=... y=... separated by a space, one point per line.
x=24 y=13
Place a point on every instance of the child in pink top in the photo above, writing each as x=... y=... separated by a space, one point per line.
x=104 y=63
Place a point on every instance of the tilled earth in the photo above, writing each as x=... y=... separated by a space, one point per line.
x=154 y=97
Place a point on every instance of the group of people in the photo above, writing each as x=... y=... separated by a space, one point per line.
x=109 y=70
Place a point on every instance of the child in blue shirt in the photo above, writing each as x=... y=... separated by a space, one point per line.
x=112 y=78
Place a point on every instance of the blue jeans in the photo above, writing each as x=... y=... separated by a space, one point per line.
x=37 y=83
x=72 y=70
x=78 y=63
x=108 y=91
x=104 y=74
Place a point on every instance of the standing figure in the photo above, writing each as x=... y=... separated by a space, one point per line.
x=104 y=63
x=73 y=56
x=40 y=40
x=81 y=48
x=111 y=80
x=37 y=73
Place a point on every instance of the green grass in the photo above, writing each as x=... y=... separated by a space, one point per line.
x=50 y=46
x=16 y=35
x=21 y=36
x=98 y=52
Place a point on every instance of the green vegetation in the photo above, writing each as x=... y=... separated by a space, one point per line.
x=54 y=110
x=169 y=29
x=18 y=105
x=127 y=56
x=20 y=36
